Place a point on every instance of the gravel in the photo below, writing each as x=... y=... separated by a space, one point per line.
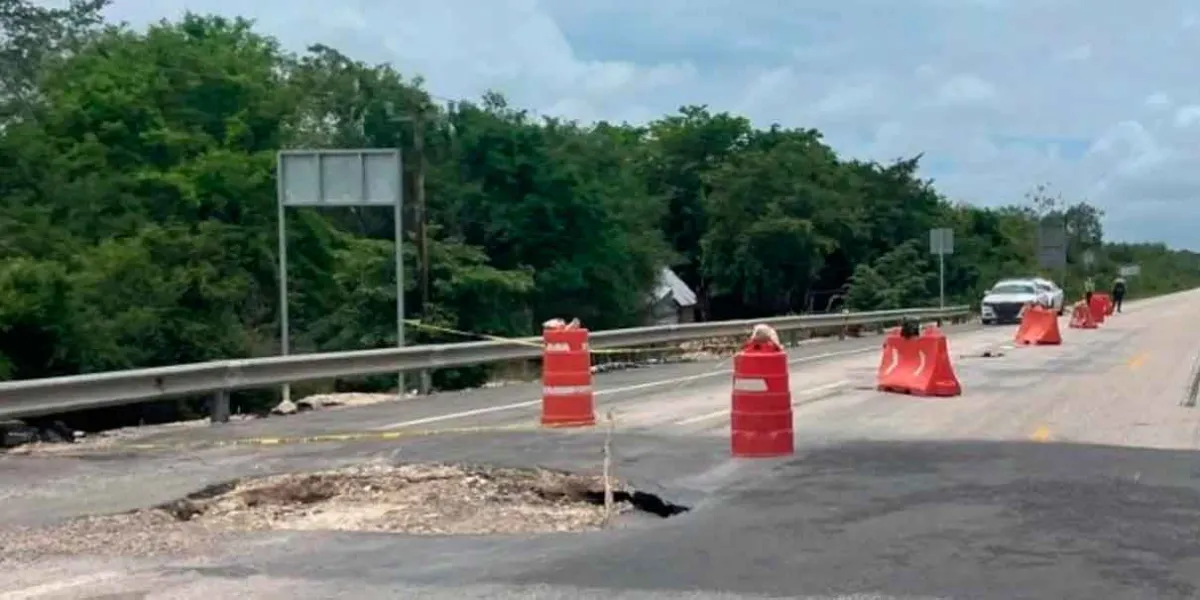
x=435 y=499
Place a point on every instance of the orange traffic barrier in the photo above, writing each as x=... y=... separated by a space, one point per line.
x=760 y=418
x=917 y=364
x=1039 y=325
x=567 y=394
x=1099 y=306
x=1081 y=316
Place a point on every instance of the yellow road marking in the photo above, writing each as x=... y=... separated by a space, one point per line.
x=350 y=436
x=1041 y=434
x=1137 y=361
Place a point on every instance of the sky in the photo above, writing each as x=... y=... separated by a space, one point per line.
x=1094 y=97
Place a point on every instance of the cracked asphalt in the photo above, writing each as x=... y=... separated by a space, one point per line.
x=1061 y=472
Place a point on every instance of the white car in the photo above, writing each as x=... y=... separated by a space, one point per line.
x=1003 y=303
x=1049 y=288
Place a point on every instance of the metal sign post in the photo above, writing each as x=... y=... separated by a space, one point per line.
x=327 y=178
x=941 y=243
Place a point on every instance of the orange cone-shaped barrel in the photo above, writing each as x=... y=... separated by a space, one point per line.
x=567 y=395
x=761 y=415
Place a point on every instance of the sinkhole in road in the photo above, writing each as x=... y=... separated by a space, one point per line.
x=435 y=499
x=414 y=499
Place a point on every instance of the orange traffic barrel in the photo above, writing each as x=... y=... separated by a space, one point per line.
x=761 y=414
x=1081 y=316
x=1039 y=326
x=567 y=394
x=1099 y=306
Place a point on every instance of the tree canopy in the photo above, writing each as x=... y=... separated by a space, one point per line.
x=138 y=216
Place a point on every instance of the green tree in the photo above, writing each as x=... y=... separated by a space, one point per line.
x=683 y=151
x=138 y=210
x=31 y=36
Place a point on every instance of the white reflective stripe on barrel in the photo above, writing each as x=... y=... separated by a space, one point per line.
x=559 y=347
x=565 y=390
x=749 y=385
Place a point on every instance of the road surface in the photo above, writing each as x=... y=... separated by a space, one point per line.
x=1061 y=472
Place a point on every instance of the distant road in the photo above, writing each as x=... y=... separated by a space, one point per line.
x=1061 y=472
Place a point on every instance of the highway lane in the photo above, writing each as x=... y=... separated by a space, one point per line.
x=1121 y=384
x=1061 y=472
x=519 y=403
x=831 y=383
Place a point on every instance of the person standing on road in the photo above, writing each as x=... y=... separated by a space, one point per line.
x=1089 y=286
x=1118 y=291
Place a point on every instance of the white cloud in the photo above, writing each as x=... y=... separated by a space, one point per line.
x=1001 y=94
x=965 y=90
x=1158 y=100
x=1080 y=52
x=1187 y=116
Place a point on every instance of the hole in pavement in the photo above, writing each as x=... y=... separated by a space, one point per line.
x=414 y=499
x=434 y=499
x=643 y=501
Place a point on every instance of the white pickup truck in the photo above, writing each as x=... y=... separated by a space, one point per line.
x=1003 y=303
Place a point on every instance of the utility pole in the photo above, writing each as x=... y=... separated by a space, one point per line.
x=422 y=220
x=418 y=222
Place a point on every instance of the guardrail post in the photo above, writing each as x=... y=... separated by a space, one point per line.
x=218 y=407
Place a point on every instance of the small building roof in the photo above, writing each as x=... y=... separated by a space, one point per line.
x=669 y=284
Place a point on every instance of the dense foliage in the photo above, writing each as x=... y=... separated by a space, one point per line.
x=138 y=219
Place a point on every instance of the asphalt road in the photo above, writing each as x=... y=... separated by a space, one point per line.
x=626 y=391
x=1061 y=472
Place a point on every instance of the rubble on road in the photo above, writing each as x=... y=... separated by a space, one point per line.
x=49 y=444
x=322 y=401
x=16 y=432
x=434 y=499
x=23 y=437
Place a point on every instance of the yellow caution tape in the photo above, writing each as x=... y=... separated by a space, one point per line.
x=521 y=342
x=482 y=336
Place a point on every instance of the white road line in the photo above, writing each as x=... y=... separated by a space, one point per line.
x=808 y=394
x=618 y=390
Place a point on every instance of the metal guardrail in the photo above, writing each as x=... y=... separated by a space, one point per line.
x=55 y=395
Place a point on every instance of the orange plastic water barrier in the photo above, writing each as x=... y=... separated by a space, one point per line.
x=919 y=365
x=1039 y=326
